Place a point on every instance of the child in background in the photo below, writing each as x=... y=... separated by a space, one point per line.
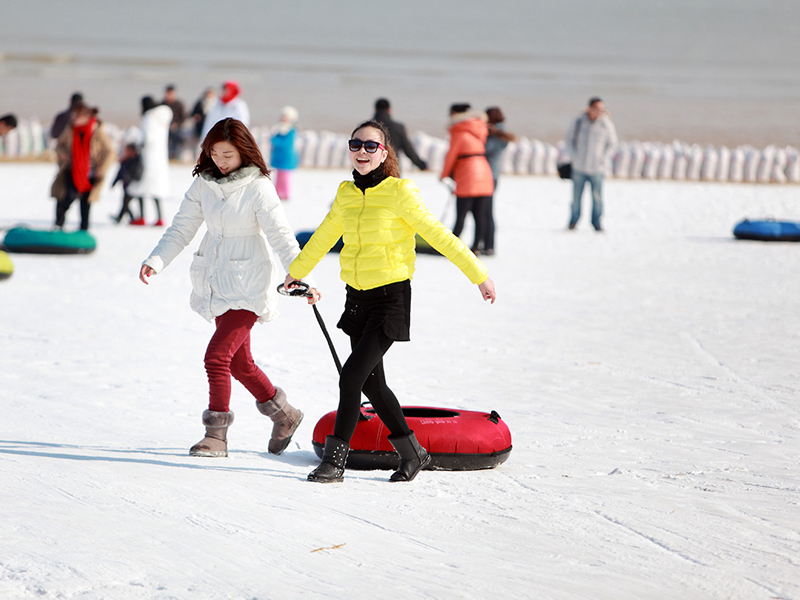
x=284 y=157
x=130 y=169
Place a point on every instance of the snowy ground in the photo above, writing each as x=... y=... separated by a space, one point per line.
x=650 y=377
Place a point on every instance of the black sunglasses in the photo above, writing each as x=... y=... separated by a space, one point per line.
x=369 y=145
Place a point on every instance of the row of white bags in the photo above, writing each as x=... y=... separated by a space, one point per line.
x=632 y=160
x=680 y=160
x=30 y=139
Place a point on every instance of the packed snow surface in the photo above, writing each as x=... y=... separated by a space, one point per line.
x=650 y=376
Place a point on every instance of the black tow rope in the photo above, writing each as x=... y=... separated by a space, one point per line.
x=300 y=289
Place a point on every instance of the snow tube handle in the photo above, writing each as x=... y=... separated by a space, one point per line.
x=362 y=416
x=494 y=417
x=301 y=290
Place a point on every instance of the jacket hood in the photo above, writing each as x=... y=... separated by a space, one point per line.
x=238 y=178
x=473 y=123
x=288 y=118
x=231 y=91
x=469 y=115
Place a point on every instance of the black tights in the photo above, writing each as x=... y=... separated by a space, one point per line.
x=480 y=207
x=363 y=371
x=158 y=208
x=126 y=209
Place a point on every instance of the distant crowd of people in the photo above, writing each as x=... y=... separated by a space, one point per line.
x=84 y=152
x=473 y=160
x=167 y=130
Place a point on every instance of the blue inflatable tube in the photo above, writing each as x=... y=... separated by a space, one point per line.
x=304 y=236
x=767 y=231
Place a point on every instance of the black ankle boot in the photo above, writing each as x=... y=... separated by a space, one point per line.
x=334 y=456
x=413 y=457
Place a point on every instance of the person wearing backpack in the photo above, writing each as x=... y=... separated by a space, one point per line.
x=590 y=144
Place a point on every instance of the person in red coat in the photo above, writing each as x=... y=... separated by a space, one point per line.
x=466 y=164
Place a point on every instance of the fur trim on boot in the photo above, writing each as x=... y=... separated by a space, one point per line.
x=285 y=417
x=413 y=457
x=216 y=441
x=334 y=457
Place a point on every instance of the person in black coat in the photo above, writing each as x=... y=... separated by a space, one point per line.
x=176 y=126
x=62 y=119
x=397 y=132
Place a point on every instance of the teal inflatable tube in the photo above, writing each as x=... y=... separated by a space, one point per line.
x=37 y=241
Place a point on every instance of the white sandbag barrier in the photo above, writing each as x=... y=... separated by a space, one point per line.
x=646 y=160
x=633 y=159
x=30 y=139
x=26 y=140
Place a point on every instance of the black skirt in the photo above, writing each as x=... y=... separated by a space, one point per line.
x=387 y=307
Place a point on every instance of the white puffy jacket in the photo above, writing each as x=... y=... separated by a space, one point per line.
x=155 y=154
x=234 y=267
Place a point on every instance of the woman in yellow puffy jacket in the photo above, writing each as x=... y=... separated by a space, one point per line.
x=377 y=215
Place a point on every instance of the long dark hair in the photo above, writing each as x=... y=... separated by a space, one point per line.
x=235 y=133
x=391 y=165
x=148 y=103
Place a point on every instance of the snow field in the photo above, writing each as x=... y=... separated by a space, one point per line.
x=649 y=376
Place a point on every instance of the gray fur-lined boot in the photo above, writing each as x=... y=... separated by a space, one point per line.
x=285 y=417
x=413 y=457
x=334 y=457
x=216 y=441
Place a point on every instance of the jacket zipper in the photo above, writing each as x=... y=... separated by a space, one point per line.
x=358 y=232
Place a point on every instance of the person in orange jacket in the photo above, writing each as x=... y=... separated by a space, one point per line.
x=466 y=164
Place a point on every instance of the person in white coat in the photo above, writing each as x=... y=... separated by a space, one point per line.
x=230 y=104
x=154 y=182
x=590 y=143
x=234 y=275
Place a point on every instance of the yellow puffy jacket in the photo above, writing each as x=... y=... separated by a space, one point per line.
x=378 y=228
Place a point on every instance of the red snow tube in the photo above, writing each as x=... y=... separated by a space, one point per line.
x=457 y=440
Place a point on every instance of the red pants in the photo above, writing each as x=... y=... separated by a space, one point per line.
x=229 y=354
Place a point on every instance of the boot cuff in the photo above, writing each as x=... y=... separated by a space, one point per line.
x=335 y=451
x=273 y=406
x=212 y=418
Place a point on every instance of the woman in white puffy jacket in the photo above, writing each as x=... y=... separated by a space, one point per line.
x=154 y=182
x=234 y=275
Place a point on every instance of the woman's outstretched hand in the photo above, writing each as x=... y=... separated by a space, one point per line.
x=487 y=290
x=145 y=272
x=290 y=283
